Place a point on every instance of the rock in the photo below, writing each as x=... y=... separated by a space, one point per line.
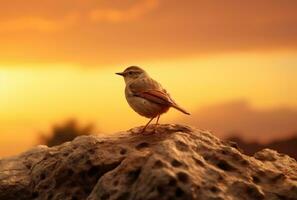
x=176 y=162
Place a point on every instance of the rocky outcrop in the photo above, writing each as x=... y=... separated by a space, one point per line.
x=175 y=162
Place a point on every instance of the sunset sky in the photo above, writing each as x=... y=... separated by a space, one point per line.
x=232 y=64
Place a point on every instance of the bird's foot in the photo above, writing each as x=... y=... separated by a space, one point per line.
x=147 y=131
x=150 y=130
x=156 y=128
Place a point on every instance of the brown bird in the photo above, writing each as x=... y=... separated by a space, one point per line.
x=146 y=96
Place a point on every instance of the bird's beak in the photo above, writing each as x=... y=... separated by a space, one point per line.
x=120 y=73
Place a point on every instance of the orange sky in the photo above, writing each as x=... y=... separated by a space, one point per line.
x=58 y=58
x=93 y=32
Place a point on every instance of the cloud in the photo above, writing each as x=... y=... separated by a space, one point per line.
x=109 y=31
x=49 y=17
x=53 y=15
x=134 y=12
x=36 y=24
x=241 y=118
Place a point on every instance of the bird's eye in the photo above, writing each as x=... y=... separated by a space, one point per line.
x=130 y=73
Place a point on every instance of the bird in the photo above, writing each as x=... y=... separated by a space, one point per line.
x=146 y=96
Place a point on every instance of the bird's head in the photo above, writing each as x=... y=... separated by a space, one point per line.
x=132 y=73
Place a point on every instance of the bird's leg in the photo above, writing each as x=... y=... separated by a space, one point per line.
x=147 y=125
x=157 y=123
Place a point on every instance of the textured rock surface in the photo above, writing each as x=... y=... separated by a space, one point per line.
x=177 y=162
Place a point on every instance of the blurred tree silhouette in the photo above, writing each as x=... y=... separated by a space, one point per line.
x=67 y=131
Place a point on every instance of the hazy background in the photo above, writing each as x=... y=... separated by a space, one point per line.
x=232 y=64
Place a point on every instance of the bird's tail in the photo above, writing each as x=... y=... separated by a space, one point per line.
x=177 y=107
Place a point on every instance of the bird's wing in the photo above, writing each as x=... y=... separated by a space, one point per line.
x=155 y=96
x=151 y=90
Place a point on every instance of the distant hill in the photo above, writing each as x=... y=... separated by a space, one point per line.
x=286 y=146
x=251 y=123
